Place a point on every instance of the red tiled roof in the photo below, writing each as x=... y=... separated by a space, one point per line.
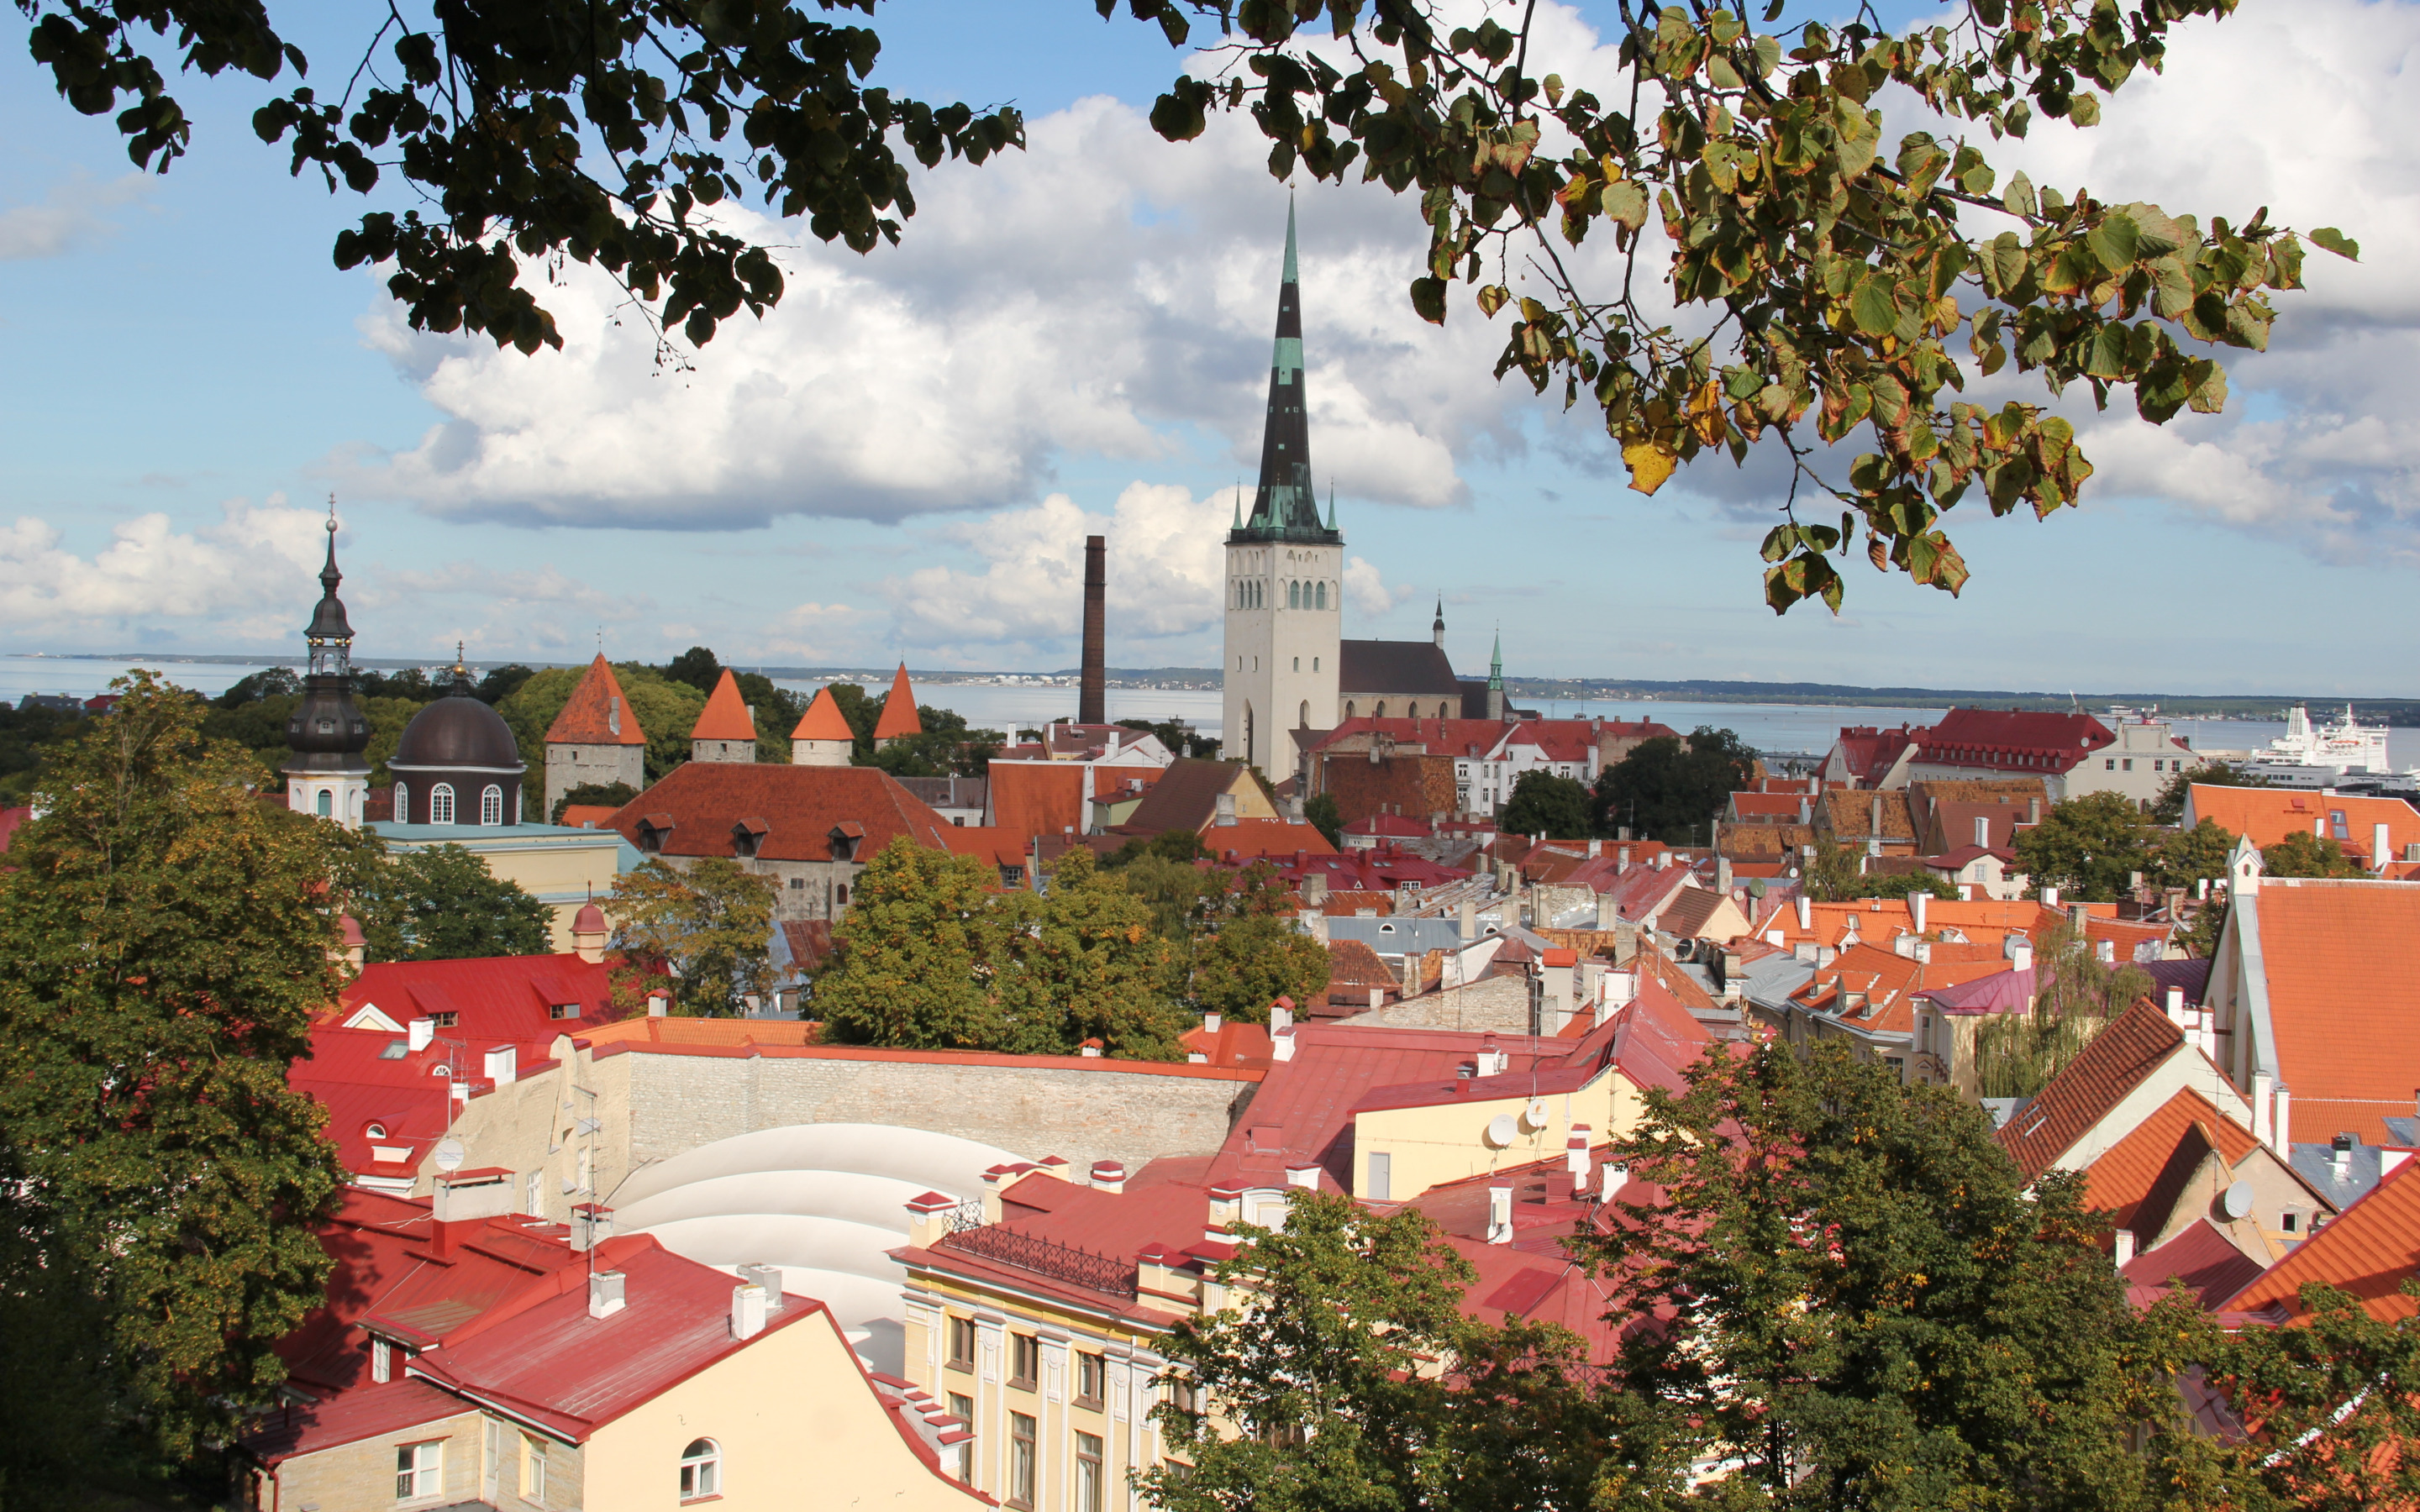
x=2136 y=1043
x=1252 y=839
x=822 y=719
x=1030 y=798
x=1780 y=808
x=1891 y=981
x=2343 y=961
x=800 y=804
x=2266 y=816
x=2012 y=739
x=725 y=716
x=1868 y=751
x=2204 y=1259
x=597 y=714
x=1230 y=1044
x=2366 y=1250
x=585 y=815
x=898 y=710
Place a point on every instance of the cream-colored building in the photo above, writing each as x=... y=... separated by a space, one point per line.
x=562 y=867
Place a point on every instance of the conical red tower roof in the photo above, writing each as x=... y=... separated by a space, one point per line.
x=899 y=710
x=726 y=716
x=596 y=713
x=823 y=720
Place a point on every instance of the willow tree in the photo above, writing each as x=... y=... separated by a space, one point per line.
x=1823 y=264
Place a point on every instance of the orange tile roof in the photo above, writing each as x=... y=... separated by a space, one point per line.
x=998 y=846
x=597 y=714
x=2136 y=1043
x=2343 y=963
x=2268 y=815
x=671 y=1031
x=1891 y=981
x=1246 y=839
x=822 y=719
x=899 y=710
x=1030 y=798
x=2164 y=1148
x=585 y=815
x=2366 y=1250
x=726 y=716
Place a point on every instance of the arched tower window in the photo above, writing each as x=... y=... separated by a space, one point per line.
x=1302 y=720
x=491 y=805
x=1293 y=595
x=1380 y=712
x=327 y=803
x=1348 y=708
x=402 y=804
x=441 y=804
x=1323 y=594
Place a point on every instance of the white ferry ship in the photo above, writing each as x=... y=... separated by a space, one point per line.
x=2313 y=756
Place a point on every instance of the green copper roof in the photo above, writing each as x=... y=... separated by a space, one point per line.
x=1284 y=506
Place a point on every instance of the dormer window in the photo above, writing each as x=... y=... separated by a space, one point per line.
x=563 y=1011
x=747 y=838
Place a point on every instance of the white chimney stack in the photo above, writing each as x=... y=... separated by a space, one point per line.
x=2177 y=1006
x=1575 y=1154
x=1915 y=904
x=1500 y=1215
x=1305 y=1176
x=604 y=1293
x=2050 y=897
x=769 y=1278
x=660 y=1005
x=2283 y=1124
x=2381 y=849
x=1611 y=1176
x=1281 y=1044
x=2125 y=1250
x=2263 y=1090
x=1109 y=1175
x=1806 y=913
x=747 y=1311
x=420 y=1030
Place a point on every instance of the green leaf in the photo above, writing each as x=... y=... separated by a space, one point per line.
x=2112 y=242
x=1874 y=306
x=1625 y=200
x=2337 y=242
x=2018 y=199
x=1428 y=299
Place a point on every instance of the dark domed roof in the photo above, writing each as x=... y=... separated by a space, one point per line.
x=456 y=732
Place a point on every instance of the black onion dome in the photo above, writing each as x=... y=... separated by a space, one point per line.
x=458 y=732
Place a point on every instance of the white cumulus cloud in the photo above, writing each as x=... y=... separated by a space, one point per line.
x=249 y=577
x=70 y=216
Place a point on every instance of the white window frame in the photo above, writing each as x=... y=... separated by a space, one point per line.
x=420 y=1471
x=402 y=804
x=700 y=1470
x=491 y=805
x=532 y=1468
x=441 y=804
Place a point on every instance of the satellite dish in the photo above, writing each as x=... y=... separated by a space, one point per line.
x=1499 y=1130
x=1533 y=1118
x=448 y=1154
x=2236 y=1201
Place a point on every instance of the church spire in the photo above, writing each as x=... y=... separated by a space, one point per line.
x=1496 y=663
x=1285 y=507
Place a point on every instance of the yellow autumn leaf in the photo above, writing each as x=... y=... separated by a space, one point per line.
x=1649 y=464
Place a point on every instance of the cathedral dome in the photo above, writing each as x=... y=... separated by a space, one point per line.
x=457 y=730
x=458 y=764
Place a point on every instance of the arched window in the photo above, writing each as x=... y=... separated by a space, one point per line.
x=441 y=804
x=402 y=804
x=327 y=803
x=1348 y=708
x=1380 y=712
x=701 y=1470
x=1302 y=721
x=491 y=805
x=1323 y=594
x=1411 y=711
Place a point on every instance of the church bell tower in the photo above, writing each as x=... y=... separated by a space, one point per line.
x=1286 y=575
x=327 y=774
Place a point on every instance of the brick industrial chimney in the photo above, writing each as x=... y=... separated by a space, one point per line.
x=1090 y=700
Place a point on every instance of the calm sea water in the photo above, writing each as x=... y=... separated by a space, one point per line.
x=1774 y=727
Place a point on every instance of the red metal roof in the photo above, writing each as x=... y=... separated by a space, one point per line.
x=497 y=997
x=2203 y=1259
x=2012 y=739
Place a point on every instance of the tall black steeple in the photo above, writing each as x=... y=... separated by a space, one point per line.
x=327 y=733
x=1285 y=508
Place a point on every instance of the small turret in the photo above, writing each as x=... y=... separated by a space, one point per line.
x=1437 y=631
x=327 y=733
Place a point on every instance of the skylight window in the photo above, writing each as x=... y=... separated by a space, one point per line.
x=396 y=1050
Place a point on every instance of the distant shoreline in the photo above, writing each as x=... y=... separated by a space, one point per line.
x=2262 y=707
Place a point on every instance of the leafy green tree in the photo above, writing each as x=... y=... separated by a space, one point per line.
x=697 y=667
x=915 y=960
x=1251 y=960
x=593 y=795
x=1670 y=790
x=442 y=903
x=1177 y=737
x=1322 y=814
x=2088 y=847
x=26 y=735
x=2075 y=997
x=168 y=947
x=2170 y=806
x=501 y=681
x=1325 y=1371
x=1091 y=967
x=1836 y=273
x=1179 y=847
x=1544 y=803
x=270 y=681
x=2301 y=855
x=710 y=922
x=2184 y=858
x=1868 y=1307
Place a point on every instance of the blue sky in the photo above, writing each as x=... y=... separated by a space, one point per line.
x=1077 y=340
